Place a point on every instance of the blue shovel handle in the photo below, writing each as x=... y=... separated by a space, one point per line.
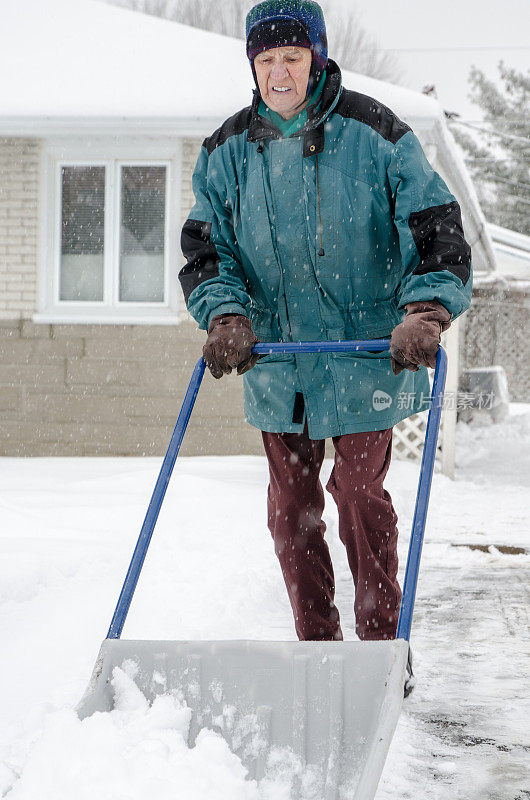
x=422 y=499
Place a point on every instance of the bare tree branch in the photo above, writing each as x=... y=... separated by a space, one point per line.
x=353 y=48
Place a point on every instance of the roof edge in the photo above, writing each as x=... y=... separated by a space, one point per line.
x=38 y=126
x=71 y=126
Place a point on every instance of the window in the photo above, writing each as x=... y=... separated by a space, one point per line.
x=142 y=226
x=108 y=253
x=82 y=265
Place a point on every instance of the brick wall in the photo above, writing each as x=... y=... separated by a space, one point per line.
x=190 y=153
x=111 y=390
x=19 y=186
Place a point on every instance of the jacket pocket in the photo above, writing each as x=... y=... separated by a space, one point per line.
x=373 y=319
x=266 y=326
x=338 y=335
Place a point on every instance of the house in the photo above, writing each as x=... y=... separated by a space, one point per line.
x=101 y=121
x=512 y=253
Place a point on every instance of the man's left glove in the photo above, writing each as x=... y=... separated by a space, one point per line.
x=229 y=345
x=415 y=341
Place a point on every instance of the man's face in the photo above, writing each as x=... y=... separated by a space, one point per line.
x=283 y=73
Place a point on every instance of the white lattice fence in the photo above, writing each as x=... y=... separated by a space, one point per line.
x=409 y=436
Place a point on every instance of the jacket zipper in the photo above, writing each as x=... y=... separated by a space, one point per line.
x=321 y=251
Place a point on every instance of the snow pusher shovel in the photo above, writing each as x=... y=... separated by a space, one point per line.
x=329 y=707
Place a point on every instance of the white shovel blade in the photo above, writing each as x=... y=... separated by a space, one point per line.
x=333 y=705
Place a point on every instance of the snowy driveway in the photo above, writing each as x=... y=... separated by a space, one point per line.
x=69 y=526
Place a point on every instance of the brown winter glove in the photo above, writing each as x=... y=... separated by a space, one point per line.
x=415 y=341
x=229 y=345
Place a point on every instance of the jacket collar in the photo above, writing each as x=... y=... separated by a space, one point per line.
x=313 y=131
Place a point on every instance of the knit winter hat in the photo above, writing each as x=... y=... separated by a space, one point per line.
x=280 y=23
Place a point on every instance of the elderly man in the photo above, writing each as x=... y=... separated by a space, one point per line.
x=318 y=217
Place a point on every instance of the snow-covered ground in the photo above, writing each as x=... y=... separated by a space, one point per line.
x=68 y=529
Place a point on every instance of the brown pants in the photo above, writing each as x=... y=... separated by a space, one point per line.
x=367 y=528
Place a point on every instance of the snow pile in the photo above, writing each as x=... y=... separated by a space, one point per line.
x=68 y=529
x=498 y=453
x=133 y=752
x=139 y=750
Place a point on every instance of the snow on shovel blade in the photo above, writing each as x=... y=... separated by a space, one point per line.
x=332 y=707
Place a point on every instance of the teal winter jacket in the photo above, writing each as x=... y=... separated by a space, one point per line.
x=325 y=235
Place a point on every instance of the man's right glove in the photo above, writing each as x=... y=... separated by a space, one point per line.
x=229 y=345
x=415 y=341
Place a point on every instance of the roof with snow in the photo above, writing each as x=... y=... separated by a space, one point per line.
x=513 y=252
x=72 y=60
x=85 y=66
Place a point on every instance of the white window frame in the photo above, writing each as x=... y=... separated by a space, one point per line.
x=111 y=153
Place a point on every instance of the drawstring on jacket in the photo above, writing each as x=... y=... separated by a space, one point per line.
x=321 y=251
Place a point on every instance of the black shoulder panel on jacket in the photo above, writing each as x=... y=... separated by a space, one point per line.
x=233 y=126
x=363 y=108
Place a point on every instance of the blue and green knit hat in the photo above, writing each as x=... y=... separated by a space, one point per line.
x=280 y=23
